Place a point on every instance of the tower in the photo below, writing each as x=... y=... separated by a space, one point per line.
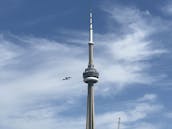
x=90 y=77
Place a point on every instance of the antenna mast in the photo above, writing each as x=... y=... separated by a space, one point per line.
x=119 y=120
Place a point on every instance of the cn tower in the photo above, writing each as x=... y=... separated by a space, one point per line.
x=90 y=77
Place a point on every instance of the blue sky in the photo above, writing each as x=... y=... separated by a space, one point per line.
x=43 y=41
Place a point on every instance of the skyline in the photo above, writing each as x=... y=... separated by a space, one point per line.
x=41 y=42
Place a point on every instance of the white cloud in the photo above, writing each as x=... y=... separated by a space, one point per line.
x=167 y=9
x=126 y=56
x=8 y=51
x=148 y=97
x=132 y=117
x=134 y=44
x=33 y=76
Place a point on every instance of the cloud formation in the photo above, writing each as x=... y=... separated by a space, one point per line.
x=133 y=116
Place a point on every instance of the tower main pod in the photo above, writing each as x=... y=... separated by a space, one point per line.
x=90 y=77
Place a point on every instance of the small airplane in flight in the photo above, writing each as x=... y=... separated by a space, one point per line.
x=66 y=78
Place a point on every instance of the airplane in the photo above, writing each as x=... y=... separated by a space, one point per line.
x=66 y=78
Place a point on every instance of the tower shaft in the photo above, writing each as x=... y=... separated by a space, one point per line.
x=90 y=107
x=90 y=64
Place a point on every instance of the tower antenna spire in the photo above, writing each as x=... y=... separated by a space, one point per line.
x=90 y=77
x=91 y=43
x=91 y=28
x=119 y=121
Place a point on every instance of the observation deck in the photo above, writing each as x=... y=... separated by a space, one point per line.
x=90 y=75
